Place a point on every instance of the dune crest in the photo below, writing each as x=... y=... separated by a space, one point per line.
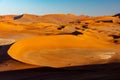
x=6 y=41
x=61 y=51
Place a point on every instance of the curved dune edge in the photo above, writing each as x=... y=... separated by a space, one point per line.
x=6 y=41
x=62 y=51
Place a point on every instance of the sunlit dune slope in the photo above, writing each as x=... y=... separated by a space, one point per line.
x=7 y=18
x=59 y=24
x=8 y=26
x=50 y=18
x=63 y=50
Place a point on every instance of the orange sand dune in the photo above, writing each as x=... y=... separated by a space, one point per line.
x=60 y=51
x=93 y=34
x=8 y=26
x=50 y=18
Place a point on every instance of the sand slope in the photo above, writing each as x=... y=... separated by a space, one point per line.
x=62 y=50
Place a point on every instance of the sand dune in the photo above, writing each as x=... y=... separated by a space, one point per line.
x=93 y=32
x=7 y=63
x=8 y=26
x=50 y=18
x=61 y=51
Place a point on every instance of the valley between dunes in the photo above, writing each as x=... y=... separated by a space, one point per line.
x=98 y=40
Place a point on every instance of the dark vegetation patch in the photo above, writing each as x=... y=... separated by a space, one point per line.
x=86 y=23
x=85 y=26
x=76 y=33
x=118 y=22
x=105 y=21
x=61 y=27
x=77 y=28
x=116 y=41
x=115 y=36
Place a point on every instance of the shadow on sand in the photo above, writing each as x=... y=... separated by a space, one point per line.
x=109 y=71
x=3 y=53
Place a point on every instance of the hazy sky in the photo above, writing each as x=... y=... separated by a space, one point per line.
x=78 y=7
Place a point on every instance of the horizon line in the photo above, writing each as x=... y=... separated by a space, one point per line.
x=54 y=14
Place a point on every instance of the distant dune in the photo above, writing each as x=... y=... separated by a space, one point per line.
x=50 y=18
x=54 y=18
x=118 y=15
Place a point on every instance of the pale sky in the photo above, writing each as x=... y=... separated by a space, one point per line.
x=78 y=7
